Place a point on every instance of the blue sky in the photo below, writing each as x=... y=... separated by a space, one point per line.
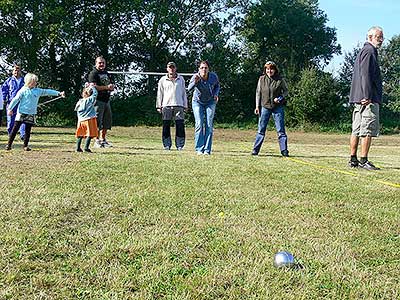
x=353 y=18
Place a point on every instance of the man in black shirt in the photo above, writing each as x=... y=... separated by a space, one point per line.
x=104 y=85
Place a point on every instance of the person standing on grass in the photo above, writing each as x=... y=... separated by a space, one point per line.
x=27 y=101
x=271 y=96
x=366 y=96
x=10 y=89
x=205 y=98
x=87 y=123
x=104 y=85
x=172 y=104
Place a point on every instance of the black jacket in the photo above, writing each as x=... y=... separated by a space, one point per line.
x=367 y=80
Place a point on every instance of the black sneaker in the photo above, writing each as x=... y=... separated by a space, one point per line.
x=368 y=166
x=88 y=150
x=78 y=150
x=254 y=153
x=353 y=164
x=285 y=153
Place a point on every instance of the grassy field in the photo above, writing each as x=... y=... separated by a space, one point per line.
x=137 y=222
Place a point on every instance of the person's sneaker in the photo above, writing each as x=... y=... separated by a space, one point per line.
x=199 y=153
x=179 y=148
x=78 y=150
x=88 y=150
x=368 y=166
x=285 y=153
x=8 y=148
x=353 y=164
x=106 y=144
x=254 y=153
x=98 y=144
x=27 y=149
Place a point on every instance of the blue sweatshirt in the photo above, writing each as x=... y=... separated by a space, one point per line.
x=11 y=87
x=204 y=90
x=85 y=107
x=28 y=99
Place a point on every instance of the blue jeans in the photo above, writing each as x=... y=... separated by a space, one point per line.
x=11 y=122
x=203 y=129
x=278 y=114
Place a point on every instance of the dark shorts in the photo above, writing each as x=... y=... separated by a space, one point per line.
x=104 y=115
x=173 y=113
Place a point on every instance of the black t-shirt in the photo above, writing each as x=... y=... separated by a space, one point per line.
x=101 y=78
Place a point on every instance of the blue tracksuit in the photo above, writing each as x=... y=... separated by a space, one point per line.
x=10 y=89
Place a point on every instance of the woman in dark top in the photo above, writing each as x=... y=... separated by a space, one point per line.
x=271 y=96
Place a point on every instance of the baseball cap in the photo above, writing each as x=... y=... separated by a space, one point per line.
x=171 y=64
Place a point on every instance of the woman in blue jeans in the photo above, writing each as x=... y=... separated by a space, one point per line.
x=205 y=98
x=271 y=96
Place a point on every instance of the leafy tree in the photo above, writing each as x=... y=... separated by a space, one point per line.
x=291 y=32
x=314 y=99
x=59 y=39
x=390 y=66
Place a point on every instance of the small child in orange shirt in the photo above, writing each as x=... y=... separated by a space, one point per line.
x=87 y=122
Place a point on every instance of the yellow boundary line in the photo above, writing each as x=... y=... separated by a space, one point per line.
x=388 y=183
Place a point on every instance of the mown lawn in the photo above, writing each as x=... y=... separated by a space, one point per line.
x=137 y=222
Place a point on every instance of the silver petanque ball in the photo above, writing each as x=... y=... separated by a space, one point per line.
x=284 y=259
x=209 y=46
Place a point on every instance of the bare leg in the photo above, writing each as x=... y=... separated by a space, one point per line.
x=354 y=145
x=365 y=145
x=103 y=134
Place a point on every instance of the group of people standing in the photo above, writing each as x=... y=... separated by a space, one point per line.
x=95 y=117
x=172 y=103
x=271 y=96
x=21 y=96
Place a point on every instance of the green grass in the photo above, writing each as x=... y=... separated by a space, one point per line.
x=136 y=222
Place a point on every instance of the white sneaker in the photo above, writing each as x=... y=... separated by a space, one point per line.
x=167 y=148
x=106 y=144
x=179 y=148
x=98 y=144
x=199 y=153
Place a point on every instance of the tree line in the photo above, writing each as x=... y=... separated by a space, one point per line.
x=59 y=40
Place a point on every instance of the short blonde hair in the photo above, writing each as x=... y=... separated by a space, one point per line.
x=87 y=92
x=29 y=78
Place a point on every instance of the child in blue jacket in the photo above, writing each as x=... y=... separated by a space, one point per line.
x=87 y=121
x=27 y=98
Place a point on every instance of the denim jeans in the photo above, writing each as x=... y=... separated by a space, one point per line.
x=203 y=129
x=279 y=118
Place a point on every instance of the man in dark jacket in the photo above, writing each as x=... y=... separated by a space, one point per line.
x=366 y=96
